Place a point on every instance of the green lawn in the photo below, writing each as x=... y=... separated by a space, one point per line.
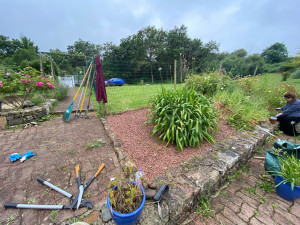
x=130 y=97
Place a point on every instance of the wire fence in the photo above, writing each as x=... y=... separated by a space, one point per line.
x=140 y=86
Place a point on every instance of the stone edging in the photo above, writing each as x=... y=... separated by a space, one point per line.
x=26 y=115
x=197 y=176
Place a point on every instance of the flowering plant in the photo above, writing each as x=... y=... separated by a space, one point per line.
x=17 y=87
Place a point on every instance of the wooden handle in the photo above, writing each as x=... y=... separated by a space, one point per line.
x=76 y=170
x=99 y=170
x=83 y=80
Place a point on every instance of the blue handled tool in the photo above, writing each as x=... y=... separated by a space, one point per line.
x=26 y=156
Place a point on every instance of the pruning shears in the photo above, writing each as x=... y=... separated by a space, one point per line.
x=78 y=198
x=75 y=199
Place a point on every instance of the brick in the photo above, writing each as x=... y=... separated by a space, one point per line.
x=229 y=214
x=279 y=219
x=254 y=221
x=92 y=218
x=226 y=202
x=217 y=205
x=246 y=212
x=267 y=208
x=246 y=198
x=222 y=219
x=295 y=209
x=264 y=218
x=288 y=216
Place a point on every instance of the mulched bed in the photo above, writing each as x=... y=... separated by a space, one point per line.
x=145 y=150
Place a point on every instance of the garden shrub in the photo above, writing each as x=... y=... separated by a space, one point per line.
x=296 y=74
x=23 y=85
x=206 y=84
x=60 y=92
x=184 y=117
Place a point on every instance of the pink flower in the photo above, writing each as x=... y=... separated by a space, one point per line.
x=27 y=75
x=39 y=84
x=27 y=89
x=22 y=81
x=50 y=86
x=1 y=84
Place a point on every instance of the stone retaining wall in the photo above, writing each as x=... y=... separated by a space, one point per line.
x=26 y=115
x=191 y=180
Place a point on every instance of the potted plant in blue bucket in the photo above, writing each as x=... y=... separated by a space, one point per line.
x=125 y=201
x=287 y=178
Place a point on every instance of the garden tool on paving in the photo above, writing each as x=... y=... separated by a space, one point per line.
x=80 y=186
x=86 y=87
x=68 y=111
x=76 y=199
x=159 y=196
x=88 y=105
x=259 y=127
x=85 y=203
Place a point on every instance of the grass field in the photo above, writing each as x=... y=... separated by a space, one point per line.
x=131 y=97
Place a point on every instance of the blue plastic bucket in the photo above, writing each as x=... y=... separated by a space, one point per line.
x=285 y=190
x=130 y=218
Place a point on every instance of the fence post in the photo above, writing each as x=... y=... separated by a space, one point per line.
x=255 y=70
x=175 y=74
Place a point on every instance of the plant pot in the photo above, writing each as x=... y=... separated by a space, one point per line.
x=285 y=190
x=129 y=218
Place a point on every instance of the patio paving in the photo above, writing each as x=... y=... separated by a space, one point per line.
x=59 y=147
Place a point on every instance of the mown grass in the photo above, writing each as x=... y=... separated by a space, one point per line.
x=254 y=101
x=130 y=97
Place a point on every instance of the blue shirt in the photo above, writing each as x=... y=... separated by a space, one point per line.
x=292 y=109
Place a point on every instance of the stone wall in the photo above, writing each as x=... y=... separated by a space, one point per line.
x=24 y=116
x=198 y=176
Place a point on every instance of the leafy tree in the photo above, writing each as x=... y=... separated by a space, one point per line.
x=255 y=64
x=275 y=53
x=240 y=53
x=85 y=48
x=151 y=42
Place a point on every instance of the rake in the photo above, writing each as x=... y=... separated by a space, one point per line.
x=67 y=113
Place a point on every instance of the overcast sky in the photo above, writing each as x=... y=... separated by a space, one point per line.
x=234 y=24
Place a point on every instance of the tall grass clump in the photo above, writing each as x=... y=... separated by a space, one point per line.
x=296 y=74
x=243 y=107
x=183 y=117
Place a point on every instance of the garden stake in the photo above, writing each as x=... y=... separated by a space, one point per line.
x=68 y=111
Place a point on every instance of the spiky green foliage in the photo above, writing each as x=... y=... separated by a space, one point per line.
x=184 y=117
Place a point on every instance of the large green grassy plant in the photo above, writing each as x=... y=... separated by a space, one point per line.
x=184 y=117
x=289 y=170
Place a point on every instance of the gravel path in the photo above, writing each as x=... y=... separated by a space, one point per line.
x=145 y=150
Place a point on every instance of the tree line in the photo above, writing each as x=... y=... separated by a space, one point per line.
x=148 y=54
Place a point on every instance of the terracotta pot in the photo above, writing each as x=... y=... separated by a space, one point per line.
x=273 y=119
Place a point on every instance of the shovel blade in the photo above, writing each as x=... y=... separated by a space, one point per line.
x=68 y=112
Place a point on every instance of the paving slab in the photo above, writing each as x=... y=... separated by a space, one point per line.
x=59 y=147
